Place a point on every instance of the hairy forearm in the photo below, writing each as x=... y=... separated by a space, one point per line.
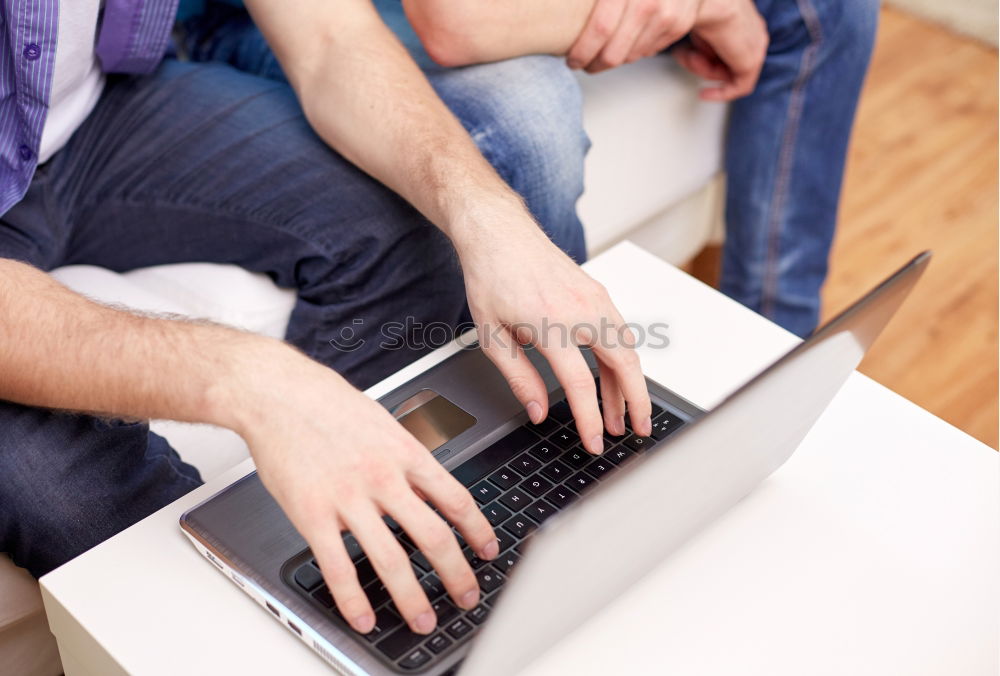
x=463 y=32
x=366 y=97
x=60 y=350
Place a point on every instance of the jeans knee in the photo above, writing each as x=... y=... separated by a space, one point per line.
x=526 y=116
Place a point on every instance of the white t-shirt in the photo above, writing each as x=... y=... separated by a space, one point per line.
x=77 y=79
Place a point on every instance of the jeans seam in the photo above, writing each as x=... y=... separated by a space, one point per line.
x=786 y=156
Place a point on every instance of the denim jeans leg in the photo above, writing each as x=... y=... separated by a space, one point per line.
x=72 y=481
x=785 y=154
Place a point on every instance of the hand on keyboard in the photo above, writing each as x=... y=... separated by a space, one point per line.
x=522 y=289
x=337 y=461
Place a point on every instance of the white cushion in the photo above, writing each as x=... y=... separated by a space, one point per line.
x=654 y=144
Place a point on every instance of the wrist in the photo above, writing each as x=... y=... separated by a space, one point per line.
x=482 y=224
x=256 y=379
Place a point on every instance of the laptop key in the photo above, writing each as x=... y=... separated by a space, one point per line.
x=474 y=561
x=377 y=594
x=556 y=471
x=519 y=526
x=308 y=576
x=504 y=478
x=458 y=628
x=324 y=597
x=545 y=451
x=385 y=621
x=398 y=643
x=353 y=547
x=505 y=540
x=540 y=511
x=544 y=428
x=664 y=425
x=619 y=455
x=561 y=411
x=638 y=444
x=576 y=458
x=495 y=513
x=444 y=610
x=438 y=643
x=489 y=580
x=525 y=464
x=561 y=497
x=600 y=468
x=366 y=572
x=581 y=481
x=516 y=500
x=505 y=562
x=536 y=485
x=478 y=614
x=565 y=438
x=433 y=587
x=421 y=561
x=485 y=492
x=415 y=659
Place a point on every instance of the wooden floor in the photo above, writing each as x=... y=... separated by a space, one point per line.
x=922 y=174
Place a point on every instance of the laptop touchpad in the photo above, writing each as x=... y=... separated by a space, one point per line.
x=432 y=419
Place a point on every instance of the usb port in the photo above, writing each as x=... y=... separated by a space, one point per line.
x=295 y=628
x=272 y=609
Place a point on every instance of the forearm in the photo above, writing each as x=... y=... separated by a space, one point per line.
x=463 y=32
x=365 y=96
x=60 y=350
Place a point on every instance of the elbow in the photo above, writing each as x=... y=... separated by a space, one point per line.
x=443 y=27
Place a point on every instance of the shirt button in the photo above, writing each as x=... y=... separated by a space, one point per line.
x=25 y=152
x=32 y=51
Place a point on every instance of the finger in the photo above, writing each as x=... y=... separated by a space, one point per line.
x=621 y=358
x=700 y=64
x=620 y=45
x=571 y=369
x=456 y=504
x=520 y=374
x=601 y=25
x=434 y=538
x=612 y=401
x=340 y=575
x=392 y=565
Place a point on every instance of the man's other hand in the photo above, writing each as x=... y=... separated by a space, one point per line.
x=728 y=45
x=522 y=289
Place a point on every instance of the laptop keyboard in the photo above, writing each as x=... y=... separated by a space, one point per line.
x=519 y=482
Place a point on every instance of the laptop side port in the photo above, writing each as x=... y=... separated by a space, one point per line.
x=272 y=609
x=294 y=627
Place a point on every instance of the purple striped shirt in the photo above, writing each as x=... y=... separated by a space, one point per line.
x=133 y=38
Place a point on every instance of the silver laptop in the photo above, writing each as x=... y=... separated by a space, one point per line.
x=618 y=515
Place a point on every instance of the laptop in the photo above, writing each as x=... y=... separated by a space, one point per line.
x=575 y=530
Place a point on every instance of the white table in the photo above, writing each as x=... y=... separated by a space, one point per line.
x=874 y=550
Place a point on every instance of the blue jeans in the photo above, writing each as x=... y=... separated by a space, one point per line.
x=785 y=153
x=203 y=162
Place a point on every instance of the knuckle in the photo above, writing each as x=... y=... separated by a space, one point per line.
x=603 y=28
x=581 y=383
x=457 y=500
x=520 y=385
x=438 y=540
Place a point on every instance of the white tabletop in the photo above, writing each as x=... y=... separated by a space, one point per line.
x=874 y=550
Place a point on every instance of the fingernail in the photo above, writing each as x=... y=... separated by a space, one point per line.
x=470 y=599
x=573 y=63
x=490 y=551
x=646 y=427
x=620 y=425
x=534 y=411
x=597 y=445
x=364 y=623
x=425 y=623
